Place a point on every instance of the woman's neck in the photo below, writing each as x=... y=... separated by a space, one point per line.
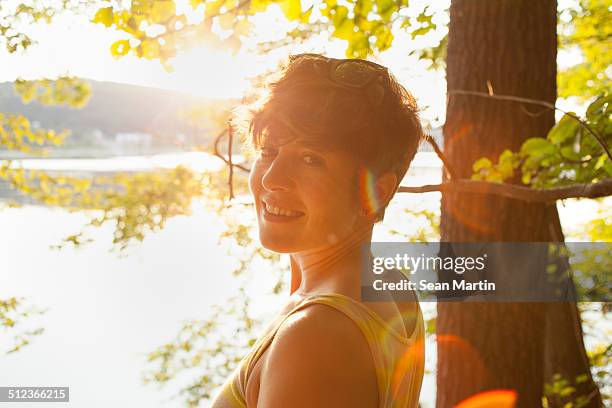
x=332 y=269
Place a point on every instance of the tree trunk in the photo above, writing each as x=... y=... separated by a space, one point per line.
x=509 y=47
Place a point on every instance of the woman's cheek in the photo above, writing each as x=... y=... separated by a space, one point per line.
x=255 y=179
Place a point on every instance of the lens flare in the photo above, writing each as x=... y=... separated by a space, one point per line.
x=367 y=190
x=490 y=399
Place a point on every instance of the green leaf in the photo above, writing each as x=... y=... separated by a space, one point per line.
x=363 y=8
x=256 y=6
x=581 y=378
x=506 y=165
x=162 y=11
x=150 y=49
x=104 y=16
x=226 y=21
x=568 y=152
x=597 y=107
x=339 y=16
x=424 y=18
x=384 y=38
x=430 y=326
x=305 y=18
x=495 y=177
x=292 y=9
x=564 y=130
x=120 y=48
x=243 y=27
x=420 y=31
x=537 y=146
x=358 y=46
x=345 y=30
x=212 y=8
x=385 y=9
x=607 y=166
x=506 y=156
x=526 y=178
x=330 y=4
x=601 y=161
x=482 y=164
x=365 y=25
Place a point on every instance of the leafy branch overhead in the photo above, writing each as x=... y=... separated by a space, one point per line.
x=157 y=30
x=586 y=30
x=17 y=16
x=567 y=155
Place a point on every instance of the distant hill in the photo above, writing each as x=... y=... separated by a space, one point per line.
x=118 y=113
x=116 y=108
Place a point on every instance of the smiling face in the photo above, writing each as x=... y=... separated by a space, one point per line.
x=305 y=198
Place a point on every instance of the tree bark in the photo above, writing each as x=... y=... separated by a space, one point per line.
x=508 y=47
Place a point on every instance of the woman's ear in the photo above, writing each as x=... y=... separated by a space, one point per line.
x=386 y=185
x=375 y=193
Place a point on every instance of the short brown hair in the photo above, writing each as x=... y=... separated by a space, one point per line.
x=385 y=137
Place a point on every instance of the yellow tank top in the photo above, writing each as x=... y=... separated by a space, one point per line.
x=399 y=360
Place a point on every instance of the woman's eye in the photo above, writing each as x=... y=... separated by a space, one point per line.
x=267 y=152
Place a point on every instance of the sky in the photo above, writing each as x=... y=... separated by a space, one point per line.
x=71 y=45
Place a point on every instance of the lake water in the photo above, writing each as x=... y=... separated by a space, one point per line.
x=105 y=312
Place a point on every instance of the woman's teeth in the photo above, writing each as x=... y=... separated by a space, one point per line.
x=280 y=211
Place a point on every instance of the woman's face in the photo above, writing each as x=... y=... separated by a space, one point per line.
x=305 y=198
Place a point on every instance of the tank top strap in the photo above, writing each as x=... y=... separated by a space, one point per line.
x=394 y=378
x=376 y=331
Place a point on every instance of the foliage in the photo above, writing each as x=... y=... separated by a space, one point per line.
x=16 y=133
x=12 y=313
x=591 y=271
x=428 y=229
x=16 y=16
x=134 y=203
x=600 y=359
x=600 y=228
x=206 y=351
x=70 y=91
x=155 y=30
x=569 y=153
x=586 y=29
x=564 y=389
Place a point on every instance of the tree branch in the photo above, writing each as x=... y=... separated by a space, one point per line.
x=549 y=105
x=445 y=164
x=230 y=136
x=219 y=155
x=567 y=40
x=602 y=188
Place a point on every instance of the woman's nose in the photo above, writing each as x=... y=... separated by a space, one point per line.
x=278 y=176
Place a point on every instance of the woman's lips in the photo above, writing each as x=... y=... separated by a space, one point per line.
x=278 y=214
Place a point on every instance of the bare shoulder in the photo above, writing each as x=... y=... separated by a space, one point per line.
x=319 y=357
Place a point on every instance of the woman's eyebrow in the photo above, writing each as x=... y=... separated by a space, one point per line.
x=311 y=144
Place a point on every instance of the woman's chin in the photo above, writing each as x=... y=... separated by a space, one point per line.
x=276 y=244
x=281 y=249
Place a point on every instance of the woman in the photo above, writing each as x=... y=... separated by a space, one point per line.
x=335 y=138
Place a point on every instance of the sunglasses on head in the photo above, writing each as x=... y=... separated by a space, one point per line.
x=350 y=74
